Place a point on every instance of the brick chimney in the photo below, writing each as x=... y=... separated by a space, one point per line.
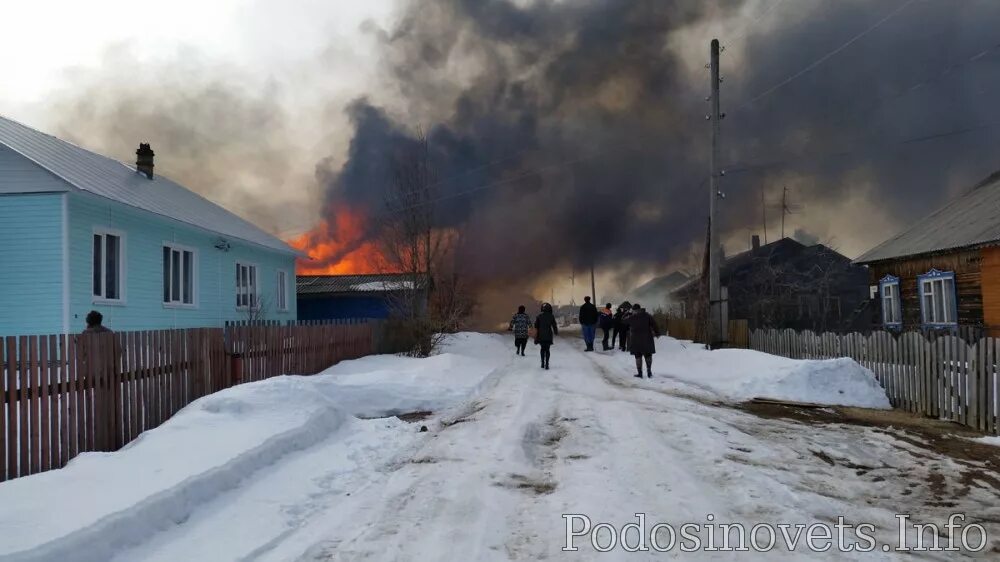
x=144 y=160
x=755 y=242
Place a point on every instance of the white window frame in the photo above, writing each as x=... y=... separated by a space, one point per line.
x=174 y=247
x=281 y=290
x=253 y=288
x=103 y=232
x=943 y=311
x=888 y=290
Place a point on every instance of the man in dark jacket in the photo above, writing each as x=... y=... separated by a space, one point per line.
x=643 y=332
x=606 y=322
x=588 y=320
x=621 y=326
x=520 y=324
x=545 y=332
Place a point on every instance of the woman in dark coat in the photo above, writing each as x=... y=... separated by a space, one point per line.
x=643 y=332
x=545 y=332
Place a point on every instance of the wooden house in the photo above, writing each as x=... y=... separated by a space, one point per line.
x=943 y=272
x=787 y=284
x=80 y=231
x=372 y=295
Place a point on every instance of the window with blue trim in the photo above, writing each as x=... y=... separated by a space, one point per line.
x=938 y=301
x=889 y=289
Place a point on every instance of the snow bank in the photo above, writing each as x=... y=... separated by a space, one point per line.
x=387 y=385
x=741 y=374
x=994 y=441
x=101 y=503
x=111 y=500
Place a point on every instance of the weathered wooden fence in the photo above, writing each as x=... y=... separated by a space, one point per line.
x=685 y=329
x=938 y=376
x=66 y=394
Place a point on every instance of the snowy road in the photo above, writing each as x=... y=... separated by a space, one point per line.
x=491 y=480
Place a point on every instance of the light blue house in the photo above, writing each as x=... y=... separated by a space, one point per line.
x=80 y=232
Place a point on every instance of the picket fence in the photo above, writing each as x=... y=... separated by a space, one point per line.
x=941 y=376
x=686 y=329
x=67 y=394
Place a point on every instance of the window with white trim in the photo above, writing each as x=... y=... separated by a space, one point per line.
x=178 y=275
x=246 y=286
x=937 y=298
x=281 y=291
x=107 y=265
x=889 y=289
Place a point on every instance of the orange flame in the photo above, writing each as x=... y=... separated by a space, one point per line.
x=338 y=247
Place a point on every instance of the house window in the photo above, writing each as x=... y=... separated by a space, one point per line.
x=107 y=265
x=891 y=313
x=937 y=298
x=281 y=292
x=246 y=286
x=178 y=275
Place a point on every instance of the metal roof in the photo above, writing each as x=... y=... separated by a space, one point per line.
x=83 y=170
x=969 y=221
x=363 y=283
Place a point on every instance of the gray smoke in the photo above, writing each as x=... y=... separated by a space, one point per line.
x=597 y=97
x=564 y=133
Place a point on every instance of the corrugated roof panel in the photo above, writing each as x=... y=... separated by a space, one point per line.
x=106 y=177
x=970 y=220
x=362 y=283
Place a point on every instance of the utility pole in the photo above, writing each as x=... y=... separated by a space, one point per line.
x=716 y=327
x=763 y=213
x=784 y=209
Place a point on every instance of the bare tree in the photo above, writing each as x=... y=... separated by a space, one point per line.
x=432 y=297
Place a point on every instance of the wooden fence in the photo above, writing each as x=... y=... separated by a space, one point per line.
x=940 y=376
x=66 y=394
x=685 y=329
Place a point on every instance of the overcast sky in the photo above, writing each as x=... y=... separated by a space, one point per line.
x=42 y=39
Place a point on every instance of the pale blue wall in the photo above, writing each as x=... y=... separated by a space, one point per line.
x=31 y=264
x=144 y=235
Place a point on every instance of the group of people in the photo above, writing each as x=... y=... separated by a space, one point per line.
x=630 y=327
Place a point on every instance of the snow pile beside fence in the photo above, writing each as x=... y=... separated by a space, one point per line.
x=386 y=385
x=112 y=500
x=739 y=375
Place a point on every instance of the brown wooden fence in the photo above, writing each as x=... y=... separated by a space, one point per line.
x=939 y=376
x=66 y=394
x=685 y=329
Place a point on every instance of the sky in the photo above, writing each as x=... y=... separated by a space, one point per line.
x=284 y=110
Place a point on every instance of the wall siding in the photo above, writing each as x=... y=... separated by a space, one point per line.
x=145 y=234
x=343 y=306
x=967 y=266
x=991 y=289
x=19 y=175
x=31 y=295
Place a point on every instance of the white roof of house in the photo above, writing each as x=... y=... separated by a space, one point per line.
x=972 y=220
x=90 y=172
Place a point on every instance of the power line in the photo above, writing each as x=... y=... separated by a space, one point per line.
x=827 y=56
x=739 y=168
x=937 y=76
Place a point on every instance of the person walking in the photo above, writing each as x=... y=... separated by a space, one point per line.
x=545 y=332
x=643 y=332
x=606 y=322
x=622 y=326
x=520 y=323
x=588 y=321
